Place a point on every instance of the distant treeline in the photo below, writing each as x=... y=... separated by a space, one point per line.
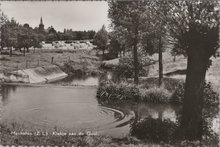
x=68 y=34
x=20 y=36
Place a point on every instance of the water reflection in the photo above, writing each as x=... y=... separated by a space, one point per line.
x=160 y=122
x=79 y=80
x=73 y=109
x=158 y=111
x=154 y=130
x=88 y=80
x=5 y=92
x=77 y=108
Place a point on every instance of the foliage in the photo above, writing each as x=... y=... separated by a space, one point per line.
x=169 y=84
x=155 y=95
x=191 y=22
x=210 y=97
x=18 y=36
x=126 y=17
x=171 y=92
x=114 y=48
x=154 y=130
x=126 y=66
x=101 y=39
x=84 y=63
x=113 y=93
x=109 y=92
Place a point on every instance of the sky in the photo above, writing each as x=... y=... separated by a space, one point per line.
x=75 y=15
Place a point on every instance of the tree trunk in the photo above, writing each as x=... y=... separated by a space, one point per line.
x=136 y=72
x=24 y=51
x=160 y=61
x=10 y=51
x=191 y=122
x=27 y=49
x=174 y=58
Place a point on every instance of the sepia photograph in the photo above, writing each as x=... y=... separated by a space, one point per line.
x=110 y=73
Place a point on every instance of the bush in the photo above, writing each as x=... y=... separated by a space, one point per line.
x=111 y=92
x=169 y=84
x=210 y=96
x=154 y=130
x=126 y=67
x=155 y=95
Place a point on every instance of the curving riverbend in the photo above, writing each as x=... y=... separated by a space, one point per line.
x=74 y=109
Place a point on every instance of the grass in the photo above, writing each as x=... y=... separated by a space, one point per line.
x=8 y=138
x=112 y=93
x=172 y=91
x=170 y=66
x=77 y=59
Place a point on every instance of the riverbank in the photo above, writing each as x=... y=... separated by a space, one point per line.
x=70 y=61
x=87 y=63
x=171 y=92
x=87 y=139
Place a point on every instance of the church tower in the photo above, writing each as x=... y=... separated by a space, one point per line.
x=41 y=25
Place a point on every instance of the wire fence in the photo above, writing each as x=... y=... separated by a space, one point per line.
x=16 y=65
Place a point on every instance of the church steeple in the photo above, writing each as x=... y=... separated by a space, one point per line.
x=41 y=21
x=41 y=25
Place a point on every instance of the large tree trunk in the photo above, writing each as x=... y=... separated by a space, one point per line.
x=193 y=97
x=160 y=61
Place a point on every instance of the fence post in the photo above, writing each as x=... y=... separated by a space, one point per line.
x=17 y=67
x=51 y=59
x=26 y=63
x=38 y=62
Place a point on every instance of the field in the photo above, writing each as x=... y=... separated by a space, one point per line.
x=41 y=57
x=170 y=66
x=87 y=61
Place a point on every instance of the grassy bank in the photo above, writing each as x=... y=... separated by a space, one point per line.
x=172 y=91
x=70 y=61
x=8 y=137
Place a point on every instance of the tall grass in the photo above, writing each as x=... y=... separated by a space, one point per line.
x=172 y=91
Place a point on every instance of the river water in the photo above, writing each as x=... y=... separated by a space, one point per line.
x=74 y=109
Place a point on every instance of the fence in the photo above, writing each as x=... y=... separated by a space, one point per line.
x=18 y=65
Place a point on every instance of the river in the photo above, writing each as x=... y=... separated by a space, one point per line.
x=74 y=109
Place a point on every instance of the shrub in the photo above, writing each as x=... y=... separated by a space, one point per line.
x=155 y=95
x=4 y=59
x=209 y=95
x=168 y=83
x=126 y=66
x=111 y=92
x=154 y=130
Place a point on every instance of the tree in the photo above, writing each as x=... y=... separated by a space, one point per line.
x=154 y=33
x=3 y=20
x=78 y=35
x=194 y=25
x=128 y=15
x=101 y=39
x=119 y=41
x=91 y=34
x=114 y=48
x=9 y=34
